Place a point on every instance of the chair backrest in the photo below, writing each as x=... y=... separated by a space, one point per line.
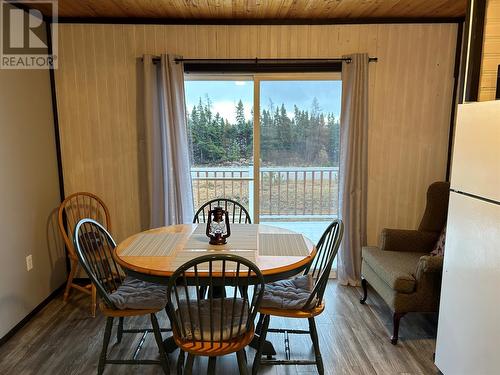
x=436 y=209
x=321 y=265
x=94 y=248
x=80 y=206
x=237 y=213
x=227 y=312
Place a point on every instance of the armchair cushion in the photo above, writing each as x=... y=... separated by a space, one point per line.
x=395 y=268
x=407 y=240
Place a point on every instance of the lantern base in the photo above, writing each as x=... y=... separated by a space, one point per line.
x=217 y=241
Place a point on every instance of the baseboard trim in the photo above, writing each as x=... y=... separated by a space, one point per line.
x=28 y=317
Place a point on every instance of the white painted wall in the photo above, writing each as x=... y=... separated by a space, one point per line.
x=29 y=192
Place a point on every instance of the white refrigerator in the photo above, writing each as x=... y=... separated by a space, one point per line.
x=468 y=339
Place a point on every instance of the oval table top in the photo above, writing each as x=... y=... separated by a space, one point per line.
x=154 y=255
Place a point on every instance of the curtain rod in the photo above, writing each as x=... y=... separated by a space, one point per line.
x=257 y=60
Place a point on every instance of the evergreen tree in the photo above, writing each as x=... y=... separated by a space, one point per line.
x=305 y=139
x=244 y=131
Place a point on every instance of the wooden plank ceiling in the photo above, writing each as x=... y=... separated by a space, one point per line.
x=259 y=9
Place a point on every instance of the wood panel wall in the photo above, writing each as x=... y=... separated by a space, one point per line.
x=491 y=51
x=410 y=102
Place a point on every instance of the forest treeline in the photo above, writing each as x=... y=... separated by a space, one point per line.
x=309 y=137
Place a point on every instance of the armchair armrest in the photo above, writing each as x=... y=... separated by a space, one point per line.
x=407 y=240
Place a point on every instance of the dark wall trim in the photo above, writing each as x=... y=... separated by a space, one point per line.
x=463 y=59
x=57 y=136
x=456 y=95
x=55 y=116
x=225 y=21
x=35 y=311
x=475 y=24
x=497 y=94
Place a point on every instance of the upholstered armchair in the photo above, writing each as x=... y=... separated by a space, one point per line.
x=402 y=270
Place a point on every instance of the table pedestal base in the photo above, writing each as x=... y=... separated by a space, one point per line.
x=169 y=344
x=267 y=348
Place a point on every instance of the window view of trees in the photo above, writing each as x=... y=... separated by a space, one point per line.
x=215 y=141
x=302 y=137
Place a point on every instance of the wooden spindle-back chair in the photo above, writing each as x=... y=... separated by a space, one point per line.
x=319 y=270
x=94 y=249
x=237 y=213
x=74 y=208
x=320 y=267
x=214 y=326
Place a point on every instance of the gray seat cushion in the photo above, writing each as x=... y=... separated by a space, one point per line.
x=396 y=268
x=138 y=294
x=289 y=294
x=234 y=316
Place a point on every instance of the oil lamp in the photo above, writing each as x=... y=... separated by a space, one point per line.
x=218 y=226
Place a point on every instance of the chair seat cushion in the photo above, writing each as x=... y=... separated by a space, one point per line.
x=289 y=294
x=234 y=318
x=396 y=268
x=137 y=294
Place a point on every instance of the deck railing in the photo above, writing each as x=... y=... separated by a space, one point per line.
x=286 y=192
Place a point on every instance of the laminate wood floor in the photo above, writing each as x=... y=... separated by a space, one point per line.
x=354 y=339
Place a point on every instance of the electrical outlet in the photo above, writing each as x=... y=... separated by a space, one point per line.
x=29 y=262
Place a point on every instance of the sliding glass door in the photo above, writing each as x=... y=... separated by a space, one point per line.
x=220 y=131
x=270 y=142
x=299 y=151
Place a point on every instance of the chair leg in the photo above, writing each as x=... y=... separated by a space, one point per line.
x=180 y=362
x=262 y=340
x=69 y=283
x=243 y=291
x=364 y=285
x=314 y=338
x=159 y=342
x=212 y=361
x=202 y=292
x=188 y=369
x=93 y=303
x=396 y=317
x=105 y=343
x=258 y=327
x=119 y=331
x=242 y=362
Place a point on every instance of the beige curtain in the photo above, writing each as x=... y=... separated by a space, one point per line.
x=353 y=166
x=164 y=163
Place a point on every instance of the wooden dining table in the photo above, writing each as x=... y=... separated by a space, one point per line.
x=155 y=254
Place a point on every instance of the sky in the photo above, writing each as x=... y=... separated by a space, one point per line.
x=226 y=94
